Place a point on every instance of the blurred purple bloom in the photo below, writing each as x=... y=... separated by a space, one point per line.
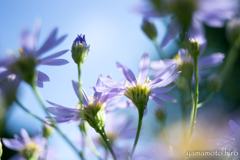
x=157 y=87
x=29 y=50
x=65 y=114
x=27 y=145
x=213 y=13
x=80 y=40
x=183 y=56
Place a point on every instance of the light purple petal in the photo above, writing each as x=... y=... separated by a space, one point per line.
x=54 y=62
x=234 y=126
x=158 y=101
x=127 y=73
x=64 y=113
x=39 y=83
x=25 y=136
x=162 y=90
x=111 y=83
x=42 y=76
x=163 y=97
x=55 y=55
x=4 y=74
x=102 y=89
x=167 y=81
x=17 y=157
x=214 y=59
x=143 y=68
x=84 y=95
x=13 y=144
x=173 y=30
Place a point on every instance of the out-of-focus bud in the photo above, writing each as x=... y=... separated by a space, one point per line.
x=83 y=127
x=47 y=130
x=215 y=83
x=182 y=83
x=24 y=67
x=233 y=30
x=183 y=10
x=149 y=29
x=160 y=114
x=80 y=49
x=1 y=150
x=95 y=115
x=193 y=48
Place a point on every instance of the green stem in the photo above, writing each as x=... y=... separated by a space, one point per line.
x=53 y=122
x=184 y=115
x=194 y=112
x=80 y=82
x=140 y=118
x=165 y=136
x=106 y=140
x=26 y=110
x=159 y=50
x=92 y=146
x=206 y=100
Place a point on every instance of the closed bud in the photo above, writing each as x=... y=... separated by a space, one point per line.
x=47 y=130
x=183 y=10
x=215 y=83
x=149 y=29
x=193 y=48
x=233 y=30
x=80 y=49
x=1 y=150
x=160 y=115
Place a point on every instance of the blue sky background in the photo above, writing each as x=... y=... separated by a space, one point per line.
x=113 y=31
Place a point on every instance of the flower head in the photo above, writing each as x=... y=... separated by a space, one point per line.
x=185 y=63
x=90 y=109
x=140 y=90
x=80 y=49
x=28 y=148
x=24 y=66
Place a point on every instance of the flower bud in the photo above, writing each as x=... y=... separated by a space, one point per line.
x=47 y=130
x=160 y=115
x=183 y=10
x=95 y=115
x=1 y=150
x=233 y=30
x=215 y=83
x=193 y=48
x=149 y=29
x=80 y=49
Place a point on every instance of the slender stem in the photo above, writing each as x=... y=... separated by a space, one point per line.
x=140 y=118
x=106 y=140
x=184 y=115
x=32 y=114
x=80 y=82
x=194 y=113
x=92 y=146
x=205 y=101
x=192 y=100
x=159 y=50
x=165 y=136
x=56 y=127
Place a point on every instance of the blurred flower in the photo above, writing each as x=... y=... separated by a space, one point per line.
x=233 y=30
x=47 y=130
x=140 y=90
x=80 y=49
x=28 y=148
x=185 y=64
x=93 y=111
x=23 y=67
x=232 y=143
x=191 y=14
x=149 y=29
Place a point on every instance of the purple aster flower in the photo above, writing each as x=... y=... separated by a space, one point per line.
x=140 y=89
x=213 y=13
x=182 y=58
x=28 y=148
x=23 y=67
x=97 y=105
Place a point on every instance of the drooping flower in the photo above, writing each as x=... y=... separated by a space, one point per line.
x=24 y=66
x=140 y=89
x=80 y=49
x=28 y=148
x=185 y=63
x=193 y=13
x=93 y=111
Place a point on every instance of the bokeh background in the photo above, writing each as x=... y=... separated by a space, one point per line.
x=112 y=29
